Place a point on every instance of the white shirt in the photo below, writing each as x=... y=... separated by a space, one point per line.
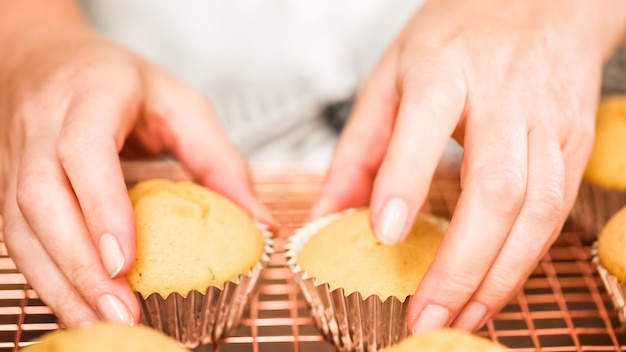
x=268 y=67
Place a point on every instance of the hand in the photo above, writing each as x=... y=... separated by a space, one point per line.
x=70 y=100
x=514 y=82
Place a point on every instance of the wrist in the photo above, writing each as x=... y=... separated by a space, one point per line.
x=607 y=21
x=28 y=23
x=591 y=27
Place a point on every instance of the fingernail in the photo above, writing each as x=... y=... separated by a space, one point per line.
x=432 y=317
x=473 y=314
x=391 y=222
x=111 y=254
x=113 y=310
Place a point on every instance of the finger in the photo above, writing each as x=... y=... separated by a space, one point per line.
x=198 y=140
x=431 y=107
x=42 y=274
x=363 y=143
x=93 y=132
x=535 y=229
x=47 y=202
x=496 y=157
x=576 y=151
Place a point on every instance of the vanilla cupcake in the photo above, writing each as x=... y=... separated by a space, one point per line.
x=603 y=188
x=358 y=288
x=198 y=260
x=446 y=340
x=608 y=255
x=105 y=337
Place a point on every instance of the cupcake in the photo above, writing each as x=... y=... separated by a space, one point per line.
x=446 y=340
x=198 y=260
x=603 y=188
x=358 y=289
x=105 y=337
x=608 y=255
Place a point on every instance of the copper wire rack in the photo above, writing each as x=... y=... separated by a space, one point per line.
x=562 y=306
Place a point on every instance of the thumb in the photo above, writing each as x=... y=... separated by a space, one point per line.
x=193 y=134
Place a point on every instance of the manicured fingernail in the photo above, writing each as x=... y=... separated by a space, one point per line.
x=431 y=317
x=111 y=254
x=469 y=319
x=113 y=310
x=391 y=222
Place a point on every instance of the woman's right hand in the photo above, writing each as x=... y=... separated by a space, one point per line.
x=71 y=100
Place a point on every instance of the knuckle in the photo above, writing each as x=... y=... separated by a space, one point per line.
x=446 y=92
x=92 y=210
x=92 y=71
x=501 y=189
x=72 y=312
x=545 y=204
x=84 y=276
x=74 y=141
x=436 y=76
x=88 y=73
x=69 y=307
x=67 y=149
x=27 y=193
x=504 y=279
x=459 y=287
x=499 y=288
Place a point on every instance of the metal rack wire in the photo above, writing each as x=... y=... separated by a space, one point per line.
x=562 y=306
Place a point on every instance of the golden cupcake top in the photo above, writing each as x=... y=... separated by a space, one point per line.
x=105 y=337
x=607 y=163
x=612 y=245
x=446 y=340
x=189 y=238
x=345 y=254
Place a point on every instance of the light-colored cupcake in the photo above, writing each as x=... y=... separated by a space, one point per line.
x=105 y=337
x=358 y=289
x=446 y=340
x=198 y=260
x=611 y=262
x=603 y=189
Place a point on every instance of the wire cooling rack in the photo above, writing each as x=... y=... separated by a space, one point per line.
x=562 y=306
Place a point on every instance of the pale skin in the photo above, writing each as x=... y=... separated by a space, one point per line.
x=516 y=83
x=75 y=98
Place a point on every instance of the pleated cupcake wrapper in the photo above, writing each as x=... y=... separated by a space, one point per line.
x=201 y=318
x=594 y=207
x=615 y=288
x=351 y=322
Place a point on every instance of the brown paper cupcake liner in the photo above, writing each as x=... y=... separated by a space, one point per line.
x=350 y=322
x=201 y=318
x=615 y=288
x=594 y=207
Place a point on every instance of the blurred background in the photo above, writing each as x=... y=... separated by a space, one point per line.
x=280 y=73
